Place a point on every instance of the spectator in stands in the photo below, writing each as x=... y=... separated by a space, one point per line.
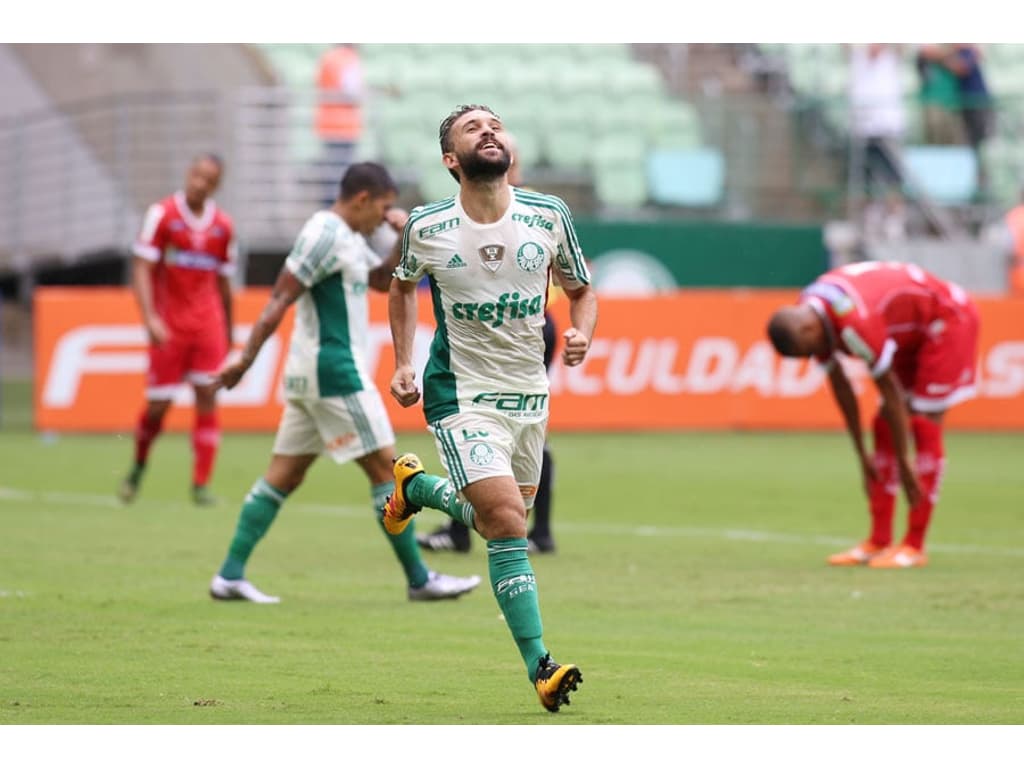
x=339 y=116
x=184 y=257
x=940 y=95
x=454 y=536
x=977 y=112
x=877 y=128
x=975 y=96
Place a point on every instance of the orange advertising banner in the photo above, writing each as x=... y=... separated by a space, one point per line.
x=690 y=360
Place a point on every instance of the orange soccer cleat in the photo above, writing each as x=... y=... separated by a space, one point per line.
x=859 y=555
x=903 y=556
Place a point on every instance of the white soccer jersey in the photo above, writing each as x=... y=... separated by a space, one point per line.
x=489 y=286
x=328 y=352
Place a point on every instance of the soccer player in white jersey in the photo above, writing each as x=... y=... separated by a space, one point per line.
x=488 y=253
x=332 y=405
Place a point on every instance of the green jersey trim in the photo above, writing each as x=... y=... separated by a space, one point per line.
x=418 y=214
x=440 y=397
x=336 y=370
x=553 y=203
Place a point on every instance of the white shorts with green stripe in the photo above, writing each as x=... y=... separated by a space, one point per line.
x=345 y=428
x=474 y=445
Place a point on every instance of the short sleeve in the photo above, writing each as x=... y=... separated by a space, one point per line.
x=410 y=266
x=570 y=266
x=152 y=237
x=311 y=258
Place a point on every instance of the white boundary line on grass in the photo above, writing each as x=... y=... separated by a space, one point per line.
x=639 y=531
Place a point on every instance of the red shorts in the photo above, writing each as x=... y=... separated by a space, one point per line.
x=195 y=358
x=941 y=372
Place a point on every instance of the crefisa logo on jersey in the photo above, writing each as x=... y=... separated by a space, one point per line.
x=530 y=256
x=492 y=256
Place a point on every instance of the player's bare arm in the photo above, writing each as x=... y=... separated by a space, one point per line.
x=286 y=290
x=843 y=394
x=142 y=286
x=583 y=315
x=894 y=411
x=402 y=317
x=380 y=277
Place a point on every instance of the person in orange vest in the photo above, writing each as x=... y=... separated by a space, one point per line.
x=1015 y=223
x=339 y=118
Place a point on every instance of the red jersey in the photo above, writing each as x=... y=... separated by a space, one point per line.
x=190 y=252
x=883 y=312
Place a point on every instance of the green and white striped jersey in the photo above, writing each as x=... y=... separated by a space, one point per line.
x=489 y=285
x=328 y=352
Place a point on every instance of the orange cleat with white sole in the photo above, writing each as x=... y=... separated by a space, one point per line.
x=903 y=556
x=859 y=555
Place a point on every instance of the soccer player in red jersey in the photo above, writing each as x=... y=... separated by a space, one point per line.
x=184 y=257
x=918 y=336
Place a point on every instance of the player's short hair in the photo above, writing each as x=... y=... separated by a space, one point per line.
x=371 y=177
x=782 y=332
x=444 y=133
x=213 y=157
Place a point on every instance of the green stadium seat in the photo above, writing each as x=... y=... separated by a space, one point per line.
x=674 y=125
x=571 y=82
x=620 y=187
x=618 y=167
x=693 y=178
x=433 y=180
x=634 y=80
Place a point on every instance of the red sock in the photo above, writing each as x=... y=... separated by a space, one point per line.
x=882 y=492
x=146 y=431
x=930 y=463
x=205 y=439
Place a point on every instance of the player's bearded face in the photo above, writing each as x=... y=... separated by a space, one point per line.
x=489 y=159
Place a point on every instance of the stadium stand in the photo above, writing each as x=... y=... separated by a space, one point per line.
x=567 y=104
x=618 y=130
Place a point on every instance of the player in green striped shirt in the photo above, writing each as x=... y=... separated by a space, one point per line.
x=331 y=402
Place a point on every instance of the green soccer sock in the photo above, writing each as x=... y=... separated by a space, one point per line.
x=439 y=493
x=404 y=544
x=515 y=588
x=258 y=512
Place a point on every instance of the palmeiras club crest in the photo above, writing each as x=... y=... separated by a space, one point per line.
x=492 y=256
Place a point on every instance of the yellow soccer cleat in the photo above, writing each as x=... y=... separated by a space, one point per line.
x=555 y=681
x=397 y=509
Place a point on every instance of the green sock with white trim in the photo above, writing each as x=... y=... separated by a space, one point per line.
x=439 y=493
x=258 y=512
x=515 y=589
x=404 y=544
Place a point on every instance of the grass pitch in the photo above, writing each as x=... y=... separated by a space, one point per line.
x=689 y=586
